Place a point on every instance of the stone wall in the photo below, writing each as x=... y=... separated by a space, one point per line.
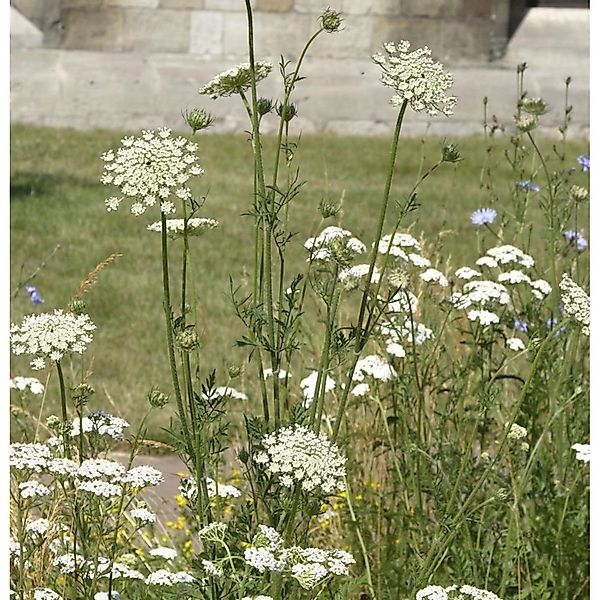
x=469 y=30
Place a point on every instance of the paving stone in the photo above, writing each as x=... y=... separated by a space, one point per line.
x=206 y=33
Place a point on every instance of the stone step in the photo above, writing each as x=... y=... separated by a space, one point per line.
x=23 y=33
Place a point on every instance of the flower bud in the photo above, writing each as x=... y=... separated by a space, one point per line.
x=187 y=339
x=81 y=393
x=156 y=398
x=578 y=193
x=264 y=106
x=450 y=153
x=197 y=119
x=526 y=123
x=331 y=20
x=77 y=307
x=287 y=113
x=327 y=209
x=234 y=371
x=52 y=422
x=534 y=106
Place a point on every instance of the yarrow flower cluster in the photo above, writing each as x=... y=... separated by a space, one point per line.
x=176 y=227
x=308 y=566
x=583 y=452
x=576 y=303
x=34 y=385
x=236 y=80
x=483 y=215
x=309 y=384
x=149 y=169
x=100 y=423
x=373 y=366
x=454 y=592
x=334 y=244
x=415 y=78
x=51 y=335
x=296 y=455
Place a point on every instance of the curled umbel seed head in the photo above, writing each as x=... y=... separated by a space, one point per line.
x=198 y=119
x=331 y=21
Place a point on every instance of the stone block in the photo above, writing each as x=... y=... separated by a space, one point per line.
x=85 y=4
x=353 y=41
x=234 y=5
x=275 y=5
x=477 y=8
x=420 y=32
x=465 y=40
x=273 y=35
x=316 y=6
x=95 y=29
x=156 y=31
x=432 y=8
x=371 y=7
x=132 y=3
x=23 y=33
x=182 y=4
x=206 y=33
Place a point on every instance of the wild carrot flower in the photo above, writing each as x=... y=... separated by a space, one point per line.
x=143 y=515
x=483 y=215
x=195 y=226
x=51 y=335
x=34 y=385
x=296 y=455
x=163 y=552
x=46 y=594
x=579 y=193
x=434 y=275
x=416 y=78
x=373 y=366
x=507 y=254
x=467 y=273
x=515 y=344
x=485 y=317
x=334 y=244
x=100 y=423
x=308 y=385
x=166 y=578
x=576 y=303
x=148 y=169
x=236 y=80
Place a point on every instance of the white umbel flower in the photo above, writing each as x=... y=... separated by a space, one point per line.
x=163 y=552
x=507 y=254
x=34 y=385
x=148 y=169
x=51 y=335
x=236 y=80
x=166 y=578
x=373 y=366
x=416 y=78
x=576 y=303
x=308 y=385
x=515 y=344
x=333 y=243
x=297 y=455
x=485 y=317
x=583 y=452
x=176 y=227
x=434 y=275
x=466 y=273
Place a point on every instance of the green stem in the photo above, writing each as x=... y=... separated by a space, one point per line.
x=170 y=344
x=360 y=337
x=63 y=404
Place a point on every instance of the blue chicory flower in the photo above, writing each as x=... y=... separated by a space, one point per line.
x=34 y=294
x=584 y=161
x=520 y=326
x=528 y=186
x=576 y=239
x=483 y=215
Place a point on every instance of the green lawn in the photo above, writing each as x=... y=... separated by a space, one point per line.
x=56 y=198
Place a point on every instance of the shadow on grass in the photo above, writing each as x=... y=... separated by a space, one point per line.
x=25 y=185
